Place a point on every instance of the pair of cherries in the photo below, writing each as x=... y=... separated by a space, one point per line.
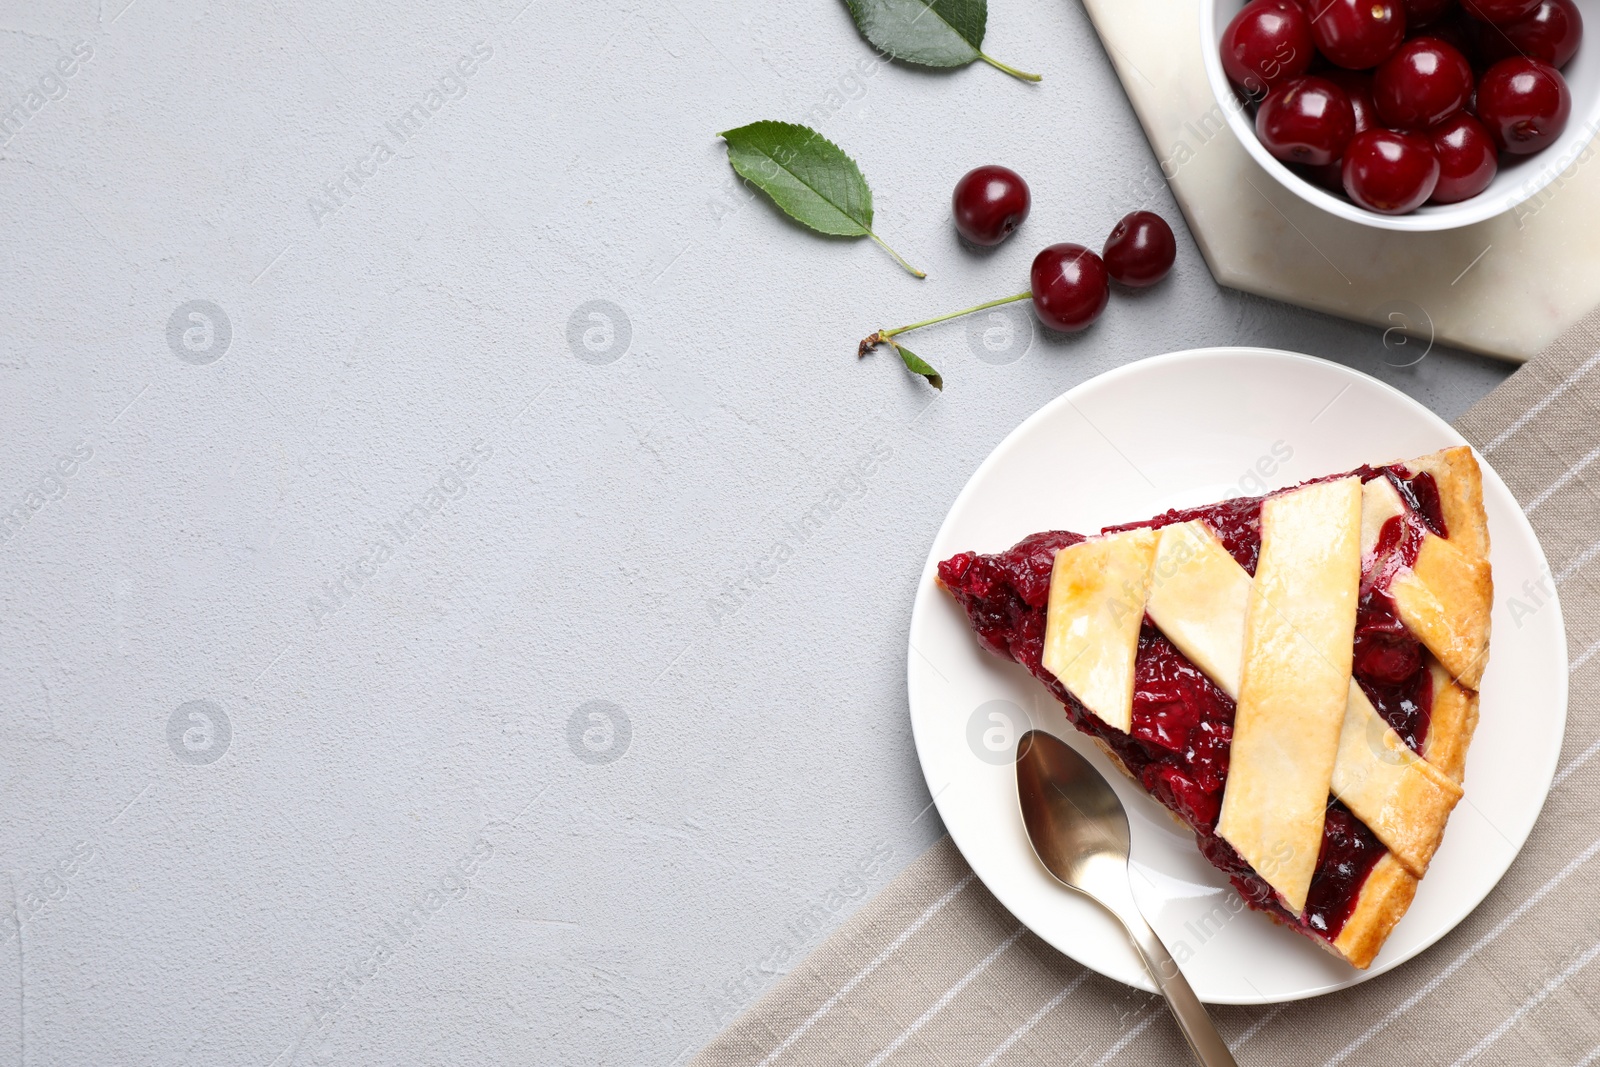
x=1396 y=121
x=1070 y=283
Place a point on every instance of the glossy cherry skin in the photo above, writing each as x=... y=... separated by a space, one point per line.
x=1524 y=104
x=1420 y=13
x=1499 y=11
x=1357 y=34
x=1357 y=86
x=1140 y=250
x=1386 y=658
x=1551 y=34
x=990 y=202
x=1070 y=287
x=1306 y=120
x=1389 y=172
x=1267 y=42
x=1468 y=161
x=1422 y=84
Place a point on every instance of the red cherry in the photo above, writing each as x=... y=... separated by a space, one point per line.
x=1420 y=13
x=1388 y=172
x=1386 y=657
x=1467 y=158
x=1524 y=104
x=1306 y=120
x=1499 y=11
x=1357 y=34
x=1422 y=84
x=1140 y=250
x=1267 y=41
x=1070 y=288
x=989 y=202
x=1550 y=33
x=1357 y=86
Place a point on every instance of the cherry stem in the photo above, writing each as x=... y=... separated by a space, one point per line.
x=1013 y=71
x=898 y=258
x=886 y=334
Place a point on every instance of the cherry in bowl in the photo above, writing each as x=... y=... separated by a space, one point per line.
x=1306 y=120
x=989 y=203
x=1422 y=84
x=1390 y=172
x=1267 y=42
x=1357 y=86
x=1550 y=33
x=1357 y=34
x=1524 y=104
x=1468 y=161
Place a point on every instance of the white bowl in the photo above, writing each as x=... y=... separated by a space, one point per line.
x=1520 y=177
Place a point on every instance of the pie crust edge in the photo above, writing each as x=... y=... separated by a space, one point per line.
x=1460 y=482
x=1451 y=724
x=1384 y=898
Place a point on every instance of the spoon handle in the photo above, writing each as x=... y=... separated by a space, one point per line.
x=1193 y=1019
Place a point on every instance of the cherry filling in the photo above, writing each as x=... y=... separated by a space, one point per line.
x=1237 y=524
x=1349 y=852
x=1421 y=494
x=1406 y=707
x=1182 y=725
x=1186 y=726
x=1388 y=662
x=1005 y=596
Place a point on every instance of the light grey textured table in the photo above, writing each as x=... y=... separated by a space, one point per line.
x=398 y=663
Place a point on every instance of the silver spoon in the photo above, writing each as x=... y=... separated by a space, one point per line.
x=1079 y=831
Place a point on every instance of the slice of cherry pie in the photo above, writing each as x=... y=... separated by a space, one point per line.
x=1295 y=676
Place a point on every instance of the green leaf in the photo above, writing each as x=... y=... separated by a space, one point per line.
x=916 y=365
x=806 y=174
x=809 y=177
x=932 y=33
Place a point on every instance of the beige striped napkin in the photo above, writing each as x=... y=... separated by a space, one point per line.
x=935 y=971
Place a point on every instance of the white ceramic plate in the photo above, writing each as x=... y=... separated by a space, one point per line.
x=1179 y=430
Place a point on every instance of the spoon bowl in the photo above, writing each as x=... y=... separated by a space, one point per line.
x=1079 y=831
x=1072 y=814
